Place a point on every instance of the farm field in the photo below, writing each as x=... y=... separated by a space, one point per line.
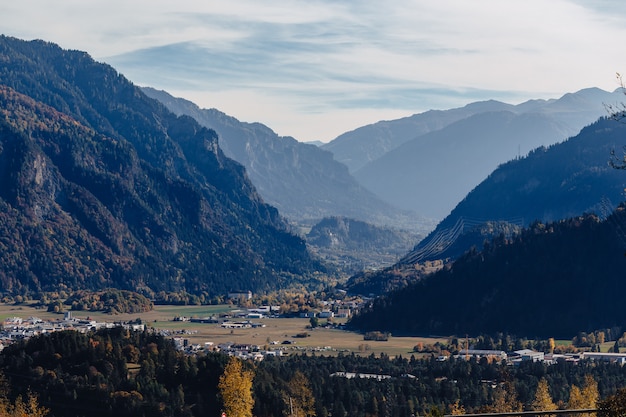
x=276 y=330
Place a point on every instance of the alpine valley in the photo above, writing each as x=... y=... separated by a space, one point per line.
x=115 y=197
x=106 y=187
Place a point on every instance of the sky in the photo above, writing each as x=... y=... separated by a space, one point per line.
x=317 y=68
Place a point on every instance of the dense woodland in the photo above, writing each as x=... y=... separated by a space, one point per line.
x=120 y=373
x=551 y=280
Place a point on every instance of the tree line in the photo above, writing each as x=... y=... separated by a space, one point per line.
x=116 y=372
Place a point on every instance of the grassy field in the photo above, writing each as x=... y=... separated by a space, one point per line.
x=275 y=330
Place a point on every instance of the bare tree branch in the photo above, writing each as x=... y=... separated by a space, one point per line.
x=618 y=112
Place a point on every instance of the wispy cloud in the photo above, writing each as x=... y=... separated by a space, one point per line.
x=313 y=69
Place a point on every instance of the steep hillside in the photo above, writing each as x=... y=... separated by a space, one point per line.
x=564 y=180
x=103 y=186
x=303 y=181
x=553 y=280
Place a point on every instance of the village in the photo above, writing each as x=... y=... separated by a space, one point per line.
x=17 y=328
x=241 y=319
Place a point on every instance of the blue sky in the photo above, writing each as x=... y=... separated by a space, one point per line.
x=317 y=68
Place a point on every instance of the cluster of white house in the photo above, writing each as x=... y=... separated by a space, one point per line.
x=518 y=356
x=243 y=351
x=17 y=328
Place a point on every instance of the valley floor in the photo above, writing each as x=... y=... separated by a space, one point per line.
x=328 y=341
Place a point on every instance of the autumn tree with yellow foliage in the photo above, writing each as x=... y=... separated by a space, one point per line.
x=21 y=407
x=456 y=408
x=28 y=407
x=585 y=397
x=543 y=400
x=298 y=397
x=235 y=388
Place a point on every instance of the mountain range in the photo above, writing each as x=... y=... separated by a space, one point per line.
x=429 y=162
x=303 y=181
x=103 y=187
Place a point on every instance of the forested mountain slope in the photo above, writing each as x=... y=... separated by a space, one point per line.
x=565 y=180
x=552 y=280
x=104 y=187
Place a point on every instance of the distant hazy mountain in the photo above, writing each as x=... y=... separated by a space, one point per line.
x=564 y=180
x=361 y=146
x=102 y=186
x=365 y=144
x=431 y=173
x=303 y=181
